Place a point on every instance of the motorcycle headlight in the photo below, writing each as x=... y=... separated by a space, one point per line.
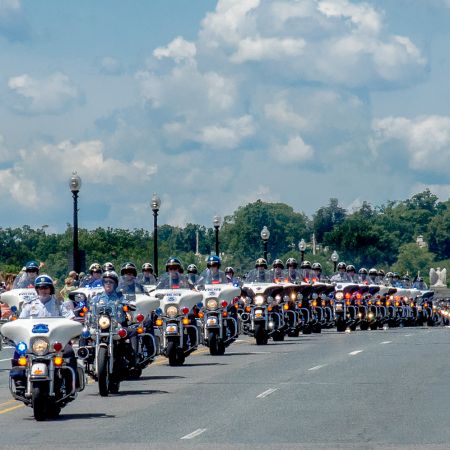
x=104 y=322
x=211 y=303
x=339 y=295
x=339 y=306
x=259 y=300
x=172 y=311
x=40 y=347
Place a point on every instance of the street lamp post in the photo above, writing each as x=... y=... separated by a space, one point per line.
x=334 y=258
x=265 y=235
x=216 y=223
x=302 y=248
x=75 y=185
x=155 y=204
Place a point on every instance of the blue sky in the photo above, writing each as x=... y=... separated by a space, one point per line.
x=214 y=104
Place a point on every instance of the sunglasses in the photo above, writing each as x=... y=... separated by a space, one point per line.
x=172 y=268
x=108 y=282
x=43 y=287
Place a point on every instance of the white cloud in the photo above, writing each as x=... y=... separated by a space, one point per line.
x=47 y=96
x=294 y=151
x=179 y=50
x=110 y=66
x=426 y=140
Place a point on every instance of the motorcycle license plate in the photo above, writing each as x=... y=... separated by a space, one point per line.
x=39 y=370
x=258 y=313
x=211 y=321
x=171 y=329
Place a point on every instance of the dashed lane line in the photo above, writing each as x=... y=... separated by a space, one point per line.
x=317 y=367
x=355 y=352
x=266 y=393
x=385 y=342
x=195 y=433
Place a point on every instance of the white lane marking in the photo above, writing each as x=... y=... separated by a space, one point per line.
x=407 y=335
x=7 y=359
x=266 y=393
x=355 y=352
x=318 y=367
x=386 y=342
x=194 y=433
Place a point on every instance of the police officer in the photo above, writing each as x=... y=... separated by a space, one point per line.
x=95 y=276
x=27 y=278
x=316 y=271
x=305 y=270
x=192 y=274
x=213 y=274
x=373 y=276
x=278 y=272
x=146 y=277
x=293 y=273
x=351 y=273
x=173 y=278
x=419 y=284
x=128 y=284
x=341 y=275
x=47 y=305
x=108 y=266
x=259 y=274
x=363 y=275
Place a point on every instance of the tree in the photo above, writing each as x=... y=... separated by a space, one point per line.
x=413 y=259
x=327 y=217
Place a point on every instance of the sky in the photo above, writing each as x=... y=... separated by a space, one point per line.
x=215 y=104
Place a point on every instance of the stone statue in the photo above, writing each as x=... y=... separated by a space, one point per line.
x=438 y=277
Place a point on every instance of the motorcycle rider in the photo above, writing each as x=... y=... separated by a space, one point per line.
x=128 y=283
x=419 y=284
x=212 y=275
x=229 y=273
x=108 y=266
x=28 y=277
x=316 y=271
x=363 y=273
x=373 y=276
x=95 y=278
x=45 y=305
x=381 y=276
x=351 y=273
x=147 y=277
x=341 y=275
x=173 y=278
x=396 y=280
x=259 y=274
x=406 y=283
x=192 y=274
x=293 y=273
x=389 y=278
x=278 y=273
x=305 y=270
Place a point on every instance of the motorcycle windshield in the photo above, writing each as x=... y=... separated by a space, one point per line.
x=210 y=277
x=26 y=280
x=173 y=281
x=259 y=276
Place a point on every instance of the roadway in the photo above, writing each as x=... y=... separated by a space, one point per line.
x=387 y=388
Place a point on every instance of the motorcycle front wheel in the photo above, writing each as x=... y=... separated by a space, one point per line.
x=103 y=372
x=176 y=357
x=213 y=342
x=39 y=395
x=260 y=334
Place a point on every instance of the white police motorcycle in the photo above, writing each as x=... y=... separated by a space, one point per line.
x=49 y=381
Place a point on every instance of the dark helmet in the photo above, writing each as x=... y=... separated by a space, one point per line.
x=192 y=268
x=350 y=268
x=108 y=266
x=147 y=266
x=373 y=272
x=395 y=275
x=213 y=260
x=381 y=273
x=277 y=263
x=292 y=262
x=363 y=271
x=229 y=269
x=95 y=267
x=261 y=262
x=110 y=275
x=44 y=281
x=317 y=266
x=405 y=277
x=342 y=265
x=32 y=266
x=128 y=267
x=172 y=262
x=305 y=265
x=389 y=275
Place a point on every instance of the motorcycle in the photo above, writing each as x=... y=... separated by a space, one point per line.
x=179 y=333
x=104 y=346
x=50 y=381
x=345 y=310
x=262 y=318
x=220 y=329
x=16 y=298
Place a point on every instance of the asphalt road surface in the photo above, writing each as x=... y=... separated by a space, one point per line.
x=387 y=388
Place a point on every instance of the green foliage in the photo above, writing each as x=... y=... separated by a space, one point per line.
x=413 y=259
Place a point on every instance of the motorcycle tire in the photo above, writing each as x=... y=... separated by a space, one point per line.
x=175 y=355
x=221 y=348
x=103 y=372
x=341 y=326
x=373 y=326
x=430 y=323
x=317 y=328
x=40 y=401
x=353 y=327
x=113 y=387
x=213 y=342
x=363 y=326
x=307 y=329
x=260 y=335
x=278 y=336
